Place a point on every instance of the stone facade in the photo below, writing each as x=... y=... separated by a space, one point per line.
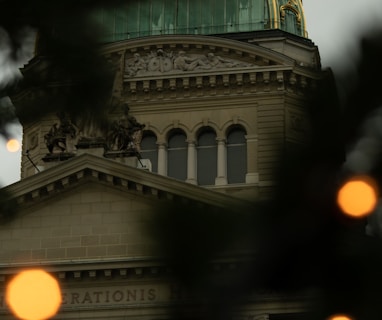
x=87 y=222
x=85 y=201
x=170 y=84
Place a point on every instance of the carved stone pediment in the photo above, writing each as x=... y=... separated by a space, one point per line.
x=168 y=62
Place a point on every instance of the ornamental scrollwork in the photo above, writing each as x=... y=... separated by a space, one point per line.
x=291 y=5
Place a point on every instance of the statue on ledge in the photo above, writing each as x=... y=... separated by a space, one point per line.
x=125 y=135
x=60 y=137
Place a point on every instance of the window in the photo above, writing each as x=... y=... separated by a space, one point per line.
x=149 y=149
x=177 y=155
x=207 y=157
x=153 y=17
x=236 y=155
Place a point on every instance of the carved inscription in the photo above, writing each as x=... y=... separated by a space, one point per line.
x=108 y=296
x=117 y=295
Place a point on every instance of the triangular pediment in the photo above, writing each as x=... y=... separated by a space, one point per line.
x=99 y=170
x=93 y=208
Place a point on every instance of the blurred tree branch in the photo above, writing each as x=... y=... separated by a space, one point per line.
x=302 y=242
x=68 y=36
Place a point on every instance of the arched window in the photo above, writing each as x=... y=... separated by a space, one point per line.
x=207 y=157
x=177 y=155
x=149 y=149
x=236 y=155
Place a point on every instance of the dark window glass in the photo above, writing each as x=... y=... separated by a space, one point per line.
x=149 y=149
x=120 y=24
x=157 y=17
x=194 y=7
x=207 y=158
x=169 y=16
x=144 y=18
x=231 y=14
x=132 y=21
x=177 y=156
x=236 y=156
x=154 y=17
x=182 y=16
x=219 y=17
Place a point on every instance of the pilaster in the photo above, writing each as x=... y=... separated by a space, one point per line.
x=252 y=175
x=162 y=158
x=191 y=162
x=221 y=179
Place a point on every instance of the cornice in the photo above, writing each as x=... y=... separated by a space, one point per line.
x=88 y=167
x=134 y=266
x=187 y=42
x=232 y=82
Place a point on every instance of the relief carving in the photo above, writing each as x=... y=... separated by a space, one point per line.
x=159 y=62
x=138 y=65
x=184 y=63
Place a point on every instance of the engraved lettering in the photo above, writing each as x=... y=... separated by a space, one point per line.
x=152 y=294
x=75 y=297
x=97 y=294
x=131 y=294
x=142 y=294
x=117 y=296
x=87 y=298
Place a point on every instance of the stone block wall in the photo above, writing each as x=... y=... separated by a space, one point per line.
x=88 y=222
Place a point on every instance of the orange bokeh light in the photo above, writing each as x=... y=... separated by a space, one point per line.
x=33 y=295
x=13 y=145
x=358 y=196
x=340 y=317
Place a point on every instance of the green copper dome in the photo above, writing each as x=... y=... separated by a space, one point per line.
x=158 y=17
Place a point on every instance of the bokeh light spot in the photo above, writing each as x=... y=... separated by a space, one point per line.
x=13 y=145
x=340 y=317
x=33 y=295
x=358 y=196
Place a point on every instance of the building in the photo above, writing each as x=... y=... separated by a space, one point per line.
x=205 y=97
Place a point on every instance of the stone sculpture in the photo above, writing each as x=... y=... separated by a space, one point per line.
x=60 y=137
x=158 y=62
x=125 y=134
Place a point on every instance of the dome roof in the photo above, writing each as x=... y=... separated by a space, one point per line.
x=158 y=17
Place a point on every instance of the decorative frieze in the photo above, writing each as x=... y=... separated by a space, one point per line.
x=167 y=62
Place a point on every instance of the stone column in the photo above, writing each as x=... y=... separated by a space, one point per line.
x=221 y=179
x=191 y=163
x=252 y=175
x=162 y=158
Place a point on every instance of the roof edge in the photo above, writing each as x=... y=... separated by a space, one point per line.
x=72 y=171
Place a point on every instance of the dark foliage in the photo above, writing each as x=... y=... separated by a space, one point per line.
x=297 y=241
x=69 y=37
